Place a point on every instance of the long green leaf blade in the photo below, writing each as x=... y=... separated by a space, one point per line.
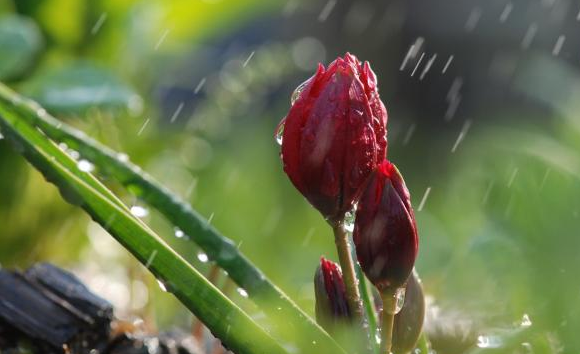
x=272 y=300
x=228 y=322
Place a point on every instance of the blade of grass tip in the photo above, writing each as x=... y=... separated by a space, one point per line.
x=219 y=313
x=69 y=162
x=220 y=249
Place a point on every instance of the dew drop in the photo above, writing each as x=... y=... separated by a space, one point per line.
x=63 y=146
x=203 y=258
x=74 y=154
x=298 y=91
x=85 y=166
x=242 y=292
x=526 y=321
x=139 y=211
x=400 y=299
x=280 y=131
x=162 y=285
x=178 y=233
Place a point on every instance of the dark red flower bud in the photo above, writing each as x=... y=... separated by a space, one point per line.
x=385 y=234
x=331 y=304
x=409 y=321
x=334 y=135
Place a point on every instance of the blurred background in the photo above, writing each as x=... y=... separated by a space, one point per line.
x=483 y=100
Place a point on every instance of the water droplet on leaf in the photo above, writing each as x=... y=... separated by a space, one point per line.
x=139 y=211
x=178 y=233
x=122 y=157
x=242 y=292
x=85 y=166
x=203 y=258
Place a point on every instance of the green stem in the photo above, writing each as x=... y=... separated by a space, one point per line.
x=389 y=309
x=348 y=273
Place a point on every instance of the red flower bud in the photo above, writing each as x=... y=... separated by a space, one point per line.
x=385 y=234
x=334 y=135
x=331 y=304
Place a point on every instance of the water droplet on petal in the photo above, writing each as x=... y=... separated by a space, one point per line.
x=298 y=91
x=85 y=166
x=203 y=258
x=280 y=131
x=242 y=292
x=400 y=298
x=139 y=211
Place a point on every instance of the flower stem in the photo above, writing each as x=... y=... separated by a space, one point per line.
x=348 y=272
x=389 y=309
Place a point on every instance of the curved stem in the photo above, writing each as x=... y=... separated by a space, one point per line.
x=348 y=273
x=389 y=308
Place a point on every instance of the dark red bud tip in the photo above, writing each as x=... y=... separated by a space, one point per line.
x=334 y=135
x=329 y=290
x=409 y=321
x=385 y=234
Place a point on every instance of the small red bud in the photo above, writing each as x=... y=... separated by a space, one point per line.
x=334 y=135
x=329 y=290
x=385 y=234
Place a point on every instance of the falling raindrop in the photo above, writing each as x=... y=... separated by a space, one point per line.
x=178 y=233
x=242 y=292
x=400 y=299
x=162 y=285
x=85 y=166
x=280 y=131
x=139 y=211
x=298 y=91
x=203 y=258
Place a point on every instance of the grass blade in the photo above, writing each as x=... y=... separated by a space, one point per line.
x=228 y=322
x=307 y=335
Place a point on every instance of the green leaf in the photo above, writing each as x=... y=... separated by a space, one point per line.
x=80 y=85
x=228 y=322
x=294 y=324
x=20 y=44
